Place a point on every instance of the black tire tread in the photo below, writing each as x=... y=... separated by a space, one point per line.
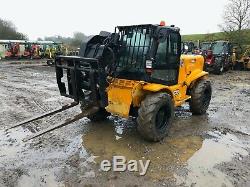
x=146 y=113
x=196 y=105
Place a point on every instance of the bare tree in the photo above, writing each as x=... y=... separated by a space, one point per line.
x=236 y=20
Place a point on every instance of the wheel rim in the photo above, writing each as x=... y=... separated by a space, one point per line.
x=162 y=118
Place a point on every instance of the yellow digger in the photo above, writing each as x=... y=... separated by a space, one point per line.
x=242 y=63
x=136 y=71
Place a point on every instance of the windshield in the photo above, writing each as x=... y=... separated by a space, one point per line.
x=218 y=48
x=205 y=46
x=135 y=45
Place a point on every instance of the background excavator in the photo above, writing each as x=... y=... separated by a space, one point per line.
x=241 y=62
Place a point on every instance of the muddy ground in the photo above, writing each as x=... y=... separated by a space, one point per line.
x=210 y=150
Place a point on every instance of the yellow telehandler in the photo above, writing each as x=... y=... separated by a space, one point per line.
x=136 y=71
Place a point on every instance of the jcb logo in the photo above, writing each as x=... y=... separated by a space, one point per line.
x=193 y=60
x=176 y=92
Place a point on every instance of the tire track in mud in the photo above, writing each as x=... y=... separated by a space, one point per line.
x=28 y=92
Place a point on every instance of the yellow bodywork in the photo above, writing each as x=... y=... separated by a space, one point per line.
x=122 y=94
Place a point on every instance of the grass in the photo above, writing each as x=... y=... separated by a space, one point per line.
x=212 y=37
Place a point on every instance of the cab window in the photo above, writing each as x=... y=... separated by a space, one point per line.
x=168 y=50
x=173 y=44
x=161 y=53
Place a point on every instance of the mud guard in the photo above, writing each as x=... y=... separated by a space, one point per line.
x=194 y=76
x=122 y=94
x=119 y=103
x=159 y=87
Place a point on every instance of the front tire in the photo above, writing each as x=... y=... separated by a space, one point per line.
x=201 y=95
x=155 y=116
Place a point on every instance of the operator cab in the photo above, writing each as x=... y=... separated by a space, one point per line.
x=148 y=52
x=221 y=48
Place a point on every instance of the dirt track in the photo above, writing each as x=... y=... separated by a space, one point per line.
x=210 y=150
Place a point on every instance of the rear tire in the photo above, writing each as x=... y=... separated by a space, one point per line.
x=155 y=116
x=200 y=97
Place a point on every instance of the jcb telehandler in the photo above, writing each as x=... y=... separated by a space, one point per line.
x=136 y=71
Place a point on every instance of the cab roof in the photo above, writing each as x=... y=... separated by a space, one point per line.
x=172 y=27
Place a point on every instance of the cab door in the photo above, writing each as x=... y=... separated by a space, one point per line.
x=167 y=59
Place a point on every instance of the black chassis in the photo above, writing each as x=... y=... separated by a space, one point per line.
x=87 y=74
x=83 y=76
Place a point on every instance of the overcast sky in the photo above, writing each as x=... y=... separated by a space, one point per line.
x=63 y=17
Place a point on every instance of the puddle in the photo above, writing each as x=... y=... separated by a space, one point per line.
x=107 y=139
x=192 y=156
x=201 y=166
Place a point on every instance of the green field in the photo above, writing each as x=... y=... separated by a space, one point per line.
x=212 y=37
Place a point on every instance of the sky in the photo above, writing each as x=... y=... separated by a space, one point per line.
x=64 y=17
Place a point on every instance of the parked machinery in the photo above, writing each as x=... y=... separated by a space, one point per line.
x=13 y=50
x=218 y=57
x=53 y=50
x=27 y=51
x=16 y=49
x=205 y=46
x=19 y=49
x=4 y=46
x=190 y=47
x=35 y=51
x=241 y=62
